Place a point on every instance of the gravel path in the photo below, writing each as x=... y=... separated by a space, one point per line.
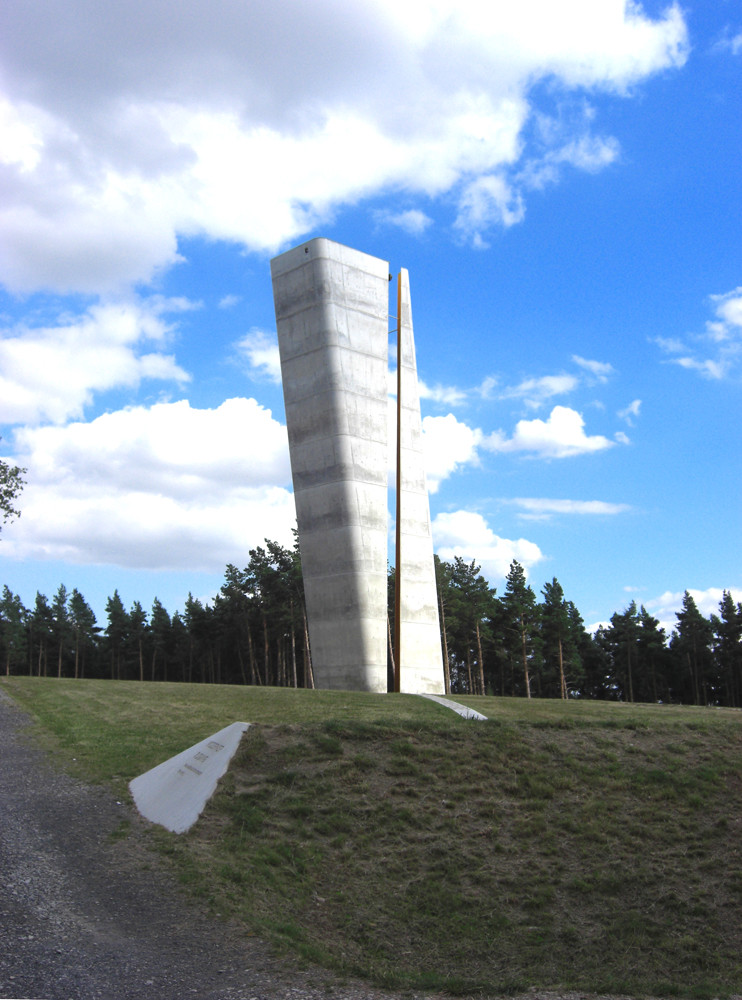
x=83 y=917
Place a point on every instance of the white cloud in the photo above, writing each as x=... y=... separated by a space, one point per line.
x=412 y=221
x=447 y=395
x=165 y=487
x=562 y=435
x=229 y=301
x=707 y=601
x=130 y=125
x=542 y=508
x=485 y=202
x=261 y=351
x=631 y=411
x=717 y=352
x=600 y=370
x=536 y=391
x=465 y=533
x=52 y=372
x=588 y=153
x=447 y=444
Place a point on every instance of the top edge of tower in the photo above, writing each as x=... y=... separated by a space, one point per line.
x=320 y=248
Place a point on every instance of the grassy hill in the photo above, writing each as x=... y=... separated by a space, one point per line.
x=586 y=846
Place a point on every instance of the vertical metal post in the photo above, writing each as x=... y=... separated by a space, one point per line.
x=398 y=533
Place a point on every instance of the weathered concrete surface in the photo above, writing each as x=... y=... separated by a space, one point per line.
x=175 y=792
x=331 y=312
x=421 y=660
x=463 y=710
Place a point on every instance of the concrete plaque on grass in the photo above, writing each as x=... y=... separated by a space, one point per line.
x=175 y=792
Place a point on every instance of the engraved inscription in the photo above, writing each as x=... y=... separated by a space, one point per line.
x=213 y=745
x=195 y=770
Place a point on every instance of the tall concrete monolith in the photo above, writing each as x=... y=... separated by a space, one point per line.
x=332 y=310
x=421 y=666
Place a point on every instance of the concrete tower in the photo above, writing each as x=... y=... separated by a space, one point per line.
x=332 y=308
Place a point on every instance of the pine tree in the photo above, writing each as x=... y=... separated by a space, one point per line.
x=41 y=624
x=137 y=634
x=692 y=644
x=83 y=624
x=117 y=632
x=521 y=613
x=61 y=626
x=556 y=631
x=727 y=643
x=160 y=628
x=621 y=642
x=13 y=617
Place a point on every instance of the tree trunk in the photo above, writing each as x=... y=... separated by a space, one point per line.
x=562 y=682
x=293 y=653
x=481 y=663
x=254 y=672
x=266 y=660
x=444 y=636
x=524 y=648
x=308 y=652
x=390 y=644
x=242 y=664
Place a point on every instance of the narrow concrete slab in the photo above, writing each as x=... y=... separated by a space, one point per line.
x=463 y=710
x=175 y=792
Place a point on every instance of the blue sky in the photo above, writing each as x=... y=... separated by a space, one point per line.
x=562 y=183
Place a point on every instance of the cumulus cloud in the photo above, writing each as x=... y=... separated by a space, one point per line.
x=447 y=444
x=164 y=487
x=717 y=352
x=52 y=372
x=130 y=125
x=666 y=606
x=562 y=435
x=466 y=534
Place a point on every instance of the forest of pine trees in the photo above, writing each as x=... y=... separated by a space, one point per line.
x=255 y=632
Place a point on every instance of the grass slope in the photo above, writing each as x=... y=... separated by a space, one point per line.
x=587 y=846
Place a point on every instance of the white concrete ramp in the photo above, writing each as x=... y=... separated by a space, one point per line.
x=463 y=710
x=175 y=792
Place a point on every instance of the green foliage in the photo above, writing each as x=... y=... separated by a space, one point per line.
x=255 y=632
x=11 y=487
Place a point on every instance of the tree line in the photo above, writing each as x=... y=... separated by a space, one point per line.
x=255 y=632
